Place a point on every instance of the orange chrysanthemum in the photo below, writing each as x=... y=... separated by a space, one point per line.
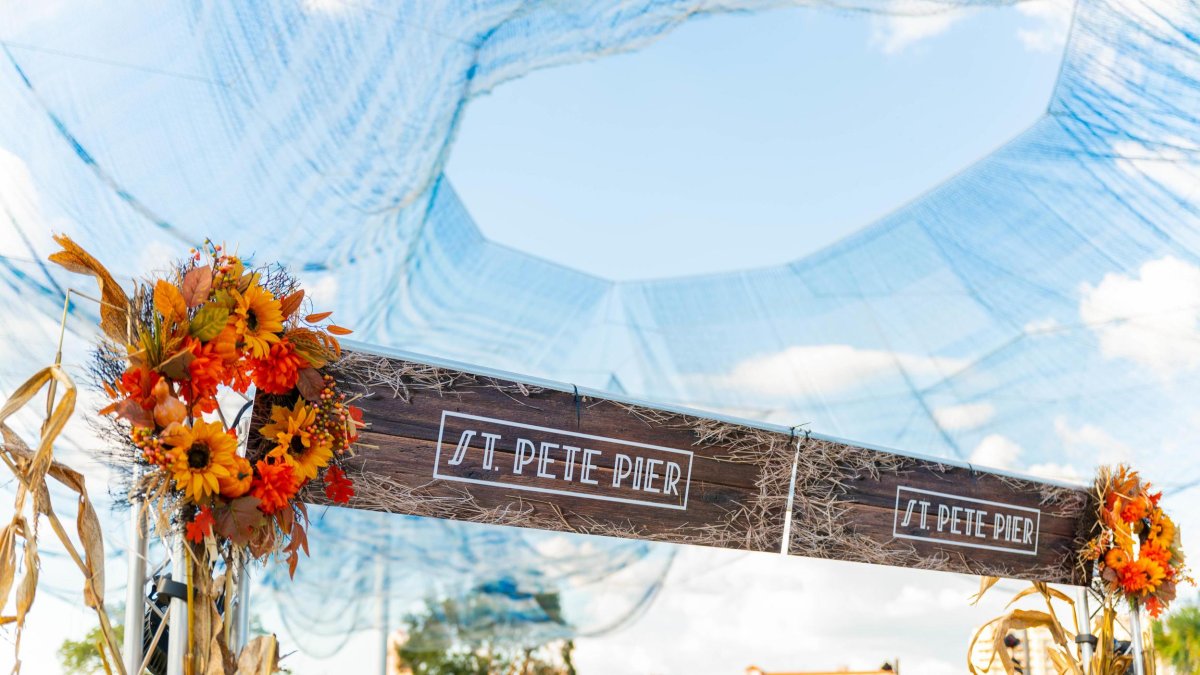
x=138 y=384
x=207 y=372
x=1116 y=558
x=237 y=483
x=258 y=319
x=277 y=373
x=1135 y=509
x=1158 y=554
x=1141 y=576
x=200 y=456
x=274 y=484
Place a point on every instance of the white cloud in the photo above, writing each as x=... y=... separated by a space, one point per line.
x=1092 y=444
x=1053 y=471
x=826 y=369
x=895 y=34
x=1152 y=319
x=1166 y=164
x=965 y=416
x=1048 y=23
x=1046 y=325
x=997 y=452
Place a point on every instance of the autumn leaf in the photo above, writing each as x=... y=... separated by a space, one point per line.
x=314 y=318
x=169 y=302
x=291 y=303
x=196 y=285
x=114 y=312
x=310 y=383
x=338 y=330
x=131 y=410
x=238 y=520
x=208 y=322
x=176 y=367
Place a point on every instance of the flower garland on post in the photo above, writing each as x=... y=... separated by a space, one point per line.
x=213 y=322
x=1136 y=552
x=1134 y=557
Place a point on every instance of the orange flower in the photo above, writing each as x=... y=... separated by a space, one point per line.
x=1116 y=558
x=237 y=483
x=1135 y=509
x=201 y=526
x=207 y=372
x=138 y=384
x=1141 y=576
x=277 y=373
x=1158 y=554
x=274 y=484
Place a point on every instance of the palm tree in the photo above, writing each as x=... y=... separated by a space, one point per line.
x=1177 y=639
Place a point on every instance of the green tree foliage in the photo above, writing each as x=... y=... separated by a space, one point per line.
x=1177 y=639
x=82 y=657
x=457 y=638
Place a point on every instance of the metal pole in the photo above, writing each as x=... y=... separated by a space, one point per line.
x=135 y=588
x=1083 y=615
x=1135 y=628
x=178 y=630
x=241 y=625
x=381 y=590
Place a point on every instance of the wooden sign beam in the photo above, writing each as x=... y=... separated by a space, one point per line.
x=447 y=442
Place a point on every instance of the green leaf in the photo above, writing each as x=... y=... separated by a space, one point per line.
x=208 y=322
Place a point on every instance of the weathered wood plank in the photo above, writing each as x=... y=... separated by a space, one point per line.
x=449 y=443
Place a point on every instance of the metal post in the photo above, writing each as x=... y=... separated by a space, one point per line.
x=382 y=590
x=1135 y=628
x=1085 y=639
x=241 y=623
x=178 y=630
x=135 y=588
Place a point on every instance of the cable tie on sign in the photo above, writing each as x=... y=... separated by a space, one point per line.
x=578 y=407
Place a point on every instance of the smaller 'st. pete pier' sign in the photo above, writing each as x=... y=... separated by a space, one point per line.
x=489 y=448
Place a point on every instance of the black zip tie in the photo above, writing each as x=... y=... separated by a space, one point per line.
x=241 y=412
x=578 y=407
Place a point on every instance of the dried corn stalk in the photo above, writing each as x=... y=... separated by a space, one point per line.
x=1062 y=653
x=32 y=468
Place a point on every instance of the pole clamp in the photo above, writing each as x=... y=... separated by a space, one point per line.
x=1086 y=639
x=171 y=589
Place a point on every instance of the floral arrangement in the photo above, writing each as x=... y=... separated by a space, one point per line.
x=213 y=322
x=1137 y=552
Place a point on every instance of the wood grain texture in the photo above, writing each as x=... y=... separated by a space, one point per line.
x=452 y=444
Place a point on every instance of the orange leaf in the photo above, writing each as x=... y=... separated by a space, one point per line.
x=313 y=318
x=169 y=302
x=291 y=303
x=114 y=311
x=338 y=330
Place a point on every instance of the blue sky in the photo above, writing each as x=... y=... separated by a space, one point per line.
x=735 y=141
x=748 y=139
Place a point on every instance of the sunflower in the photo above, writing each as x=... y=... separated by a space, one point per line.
x=201 y=456
x=259 y=319
x=298 y=441
x=1141 y=576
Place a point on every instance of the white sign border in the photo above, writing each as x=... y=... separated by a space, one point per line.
x=896 y=517
x=437 y=461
